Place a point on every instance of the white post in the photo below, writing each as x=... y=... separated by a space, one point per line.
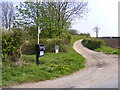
x=38 y=35
x=37 y=41
x=37 y=25
x=56 y=49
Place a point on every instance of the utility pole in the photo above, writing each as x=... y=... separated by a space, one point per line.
x=37 y=1
x=37 y=45
x=40 y=48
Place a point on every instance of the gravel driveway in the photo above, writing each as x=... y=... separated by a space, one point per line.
x=101 y=72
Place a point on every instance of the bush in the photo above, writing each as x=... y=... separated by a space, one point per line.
x=11 y=44
x=93 y=44
x=50 y=44
x=29 y=46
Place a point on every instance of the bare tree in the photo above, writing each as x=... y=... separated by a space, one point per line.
x=96 y=29
x=7 y=14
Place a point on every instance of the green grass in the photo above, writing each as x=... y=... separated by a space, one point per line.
x=0 y=73
x=93 y=43
x=108 y=50
x=51 y=66
x=99 y=46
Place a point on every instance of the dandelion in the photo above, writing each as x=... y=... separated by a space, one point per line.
x=67 y=68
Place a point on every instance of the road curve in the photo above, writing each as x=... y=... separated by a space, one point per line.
x=101 y=72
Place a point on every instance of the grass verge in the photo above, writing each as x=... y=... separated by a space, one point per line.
x=108 y=50
x=51 y=66
x=99 y=46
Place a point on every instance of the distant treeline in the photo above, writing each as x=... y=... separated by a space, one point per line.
x=109 y=37
x=75 y=32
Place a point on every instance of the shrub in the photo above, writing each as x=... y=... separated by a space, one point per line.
x=29 y=47
x=11 y=44
x=50 y=44
x=93 y=44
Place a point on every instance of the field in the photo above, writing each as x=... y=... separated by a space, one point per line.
x=112 y=42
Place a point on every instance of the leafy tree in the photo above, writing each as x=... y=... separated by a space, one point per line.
x=53 y=18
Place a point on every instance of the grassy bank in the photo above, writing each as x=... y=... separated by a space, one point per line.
x=51 y=66
x=108 y=50
x=99 y=46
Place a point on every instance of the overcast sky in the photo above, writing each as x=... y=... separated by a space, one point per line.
x=103 y=13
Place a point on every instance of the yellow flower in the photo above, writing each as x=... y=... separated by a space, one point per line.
x=67 y=68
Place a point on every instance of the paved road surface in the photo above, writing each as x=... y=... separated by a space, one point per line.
x=101 y=72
